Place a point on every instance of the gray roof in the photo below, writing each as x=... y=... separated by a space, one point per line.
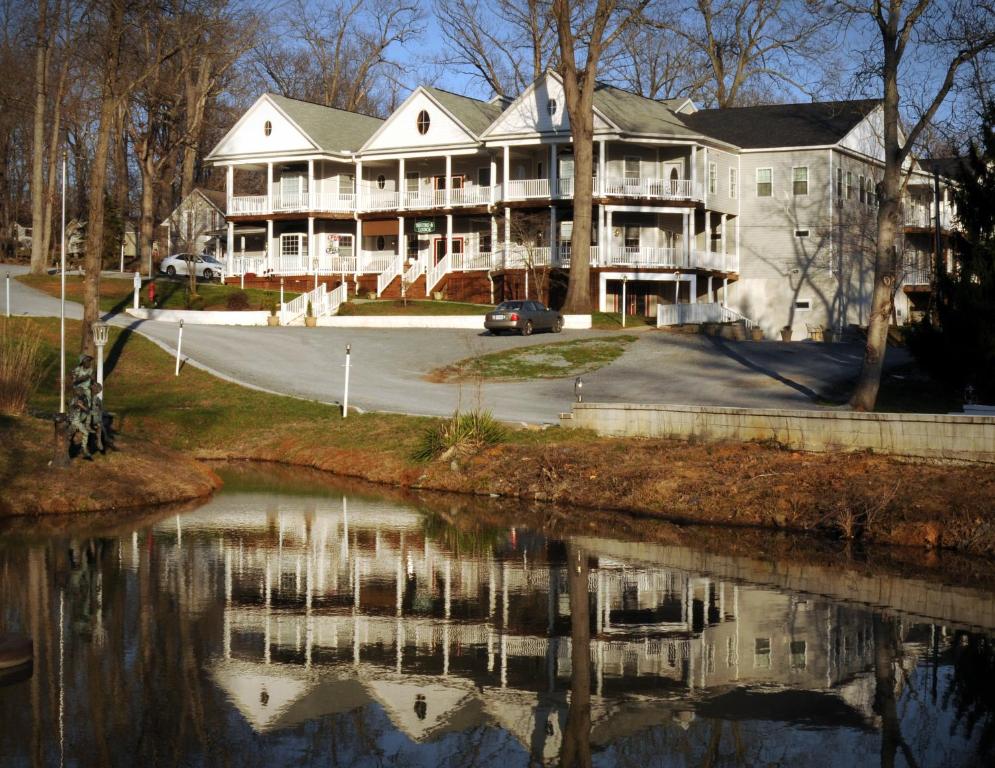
x=633 y=113
x=476 y=115
x=949 y=167
x=782 y=125
x=333 y=130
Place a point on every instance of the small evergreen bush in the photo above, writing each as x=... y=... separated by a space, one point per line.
x=238 y=301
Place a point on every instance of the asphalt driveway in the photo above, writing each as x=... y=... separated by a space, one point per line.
x=388 y=367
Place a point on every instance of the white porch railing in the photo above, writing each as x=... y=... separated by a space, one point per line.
x=412 y=273
x=248 y=205
x=646 y=256
x=293 y=310
x=699 y=312
x=524 y=189
x=714 y=260
x=470 y=196
x=666 y=189
x=470 y=260
x=924 y=218
x=434 y=273
x=376 y=199
x=333 y=201
x=335 y=299
x=393 y=269
x=375 y=261
x=246 y=264
x=292 y=201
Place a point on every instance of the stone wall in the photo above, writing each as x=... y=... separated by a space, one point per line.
x=927 y=436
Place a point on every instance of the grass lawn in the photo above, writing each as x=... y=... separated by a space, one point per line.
x=540 y=361
x=414 y=307
x=612 y=321
x=116 y=294
x=196 y=411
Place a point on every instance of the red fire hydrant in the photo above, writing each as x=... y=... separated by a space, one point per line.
x=151 y=293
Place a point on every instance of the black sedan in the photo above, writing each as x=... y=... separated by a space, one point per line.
x=524 y=317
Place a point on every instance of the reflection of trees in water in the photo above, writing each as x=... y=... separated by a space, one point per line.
x=576 y=751
x=972 y=689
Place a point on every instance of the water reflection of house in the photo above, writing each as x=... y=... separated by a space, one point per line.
x=356 y=596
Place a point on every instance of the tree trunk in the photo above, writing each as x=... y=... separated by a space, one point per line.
x=98 y=178
x=865 y=393
x=121 y=197
x=578 y=299
x=39 y=259
x=577 y=733
x=885 y=705
x=55 y=142
x=146 y=216
x=197 y=86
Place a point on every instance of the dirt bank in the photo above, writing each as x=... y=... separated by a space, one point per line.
x=139 y=474
x=850 y=497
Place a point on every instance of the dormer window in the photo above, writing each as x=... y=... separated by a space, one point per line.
x=423 y=122
x=551 y=107
x=268 y=128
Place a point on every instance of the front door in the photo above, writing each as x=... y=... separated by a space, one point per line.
x=439 y=248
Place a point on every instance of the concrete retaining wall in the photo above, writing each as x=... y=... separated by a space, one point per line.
x=920 y=435
x=200 y=317
x=471 y=322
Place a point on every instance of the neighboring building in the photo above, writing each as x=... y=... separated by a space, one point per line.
x=21 y=236
x=76 y=240
x=767 y=210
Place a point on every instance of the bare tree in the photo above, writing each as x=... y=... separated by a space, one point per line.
x=43 y=52
x=504 y=45
x=951 y=34
x=746 y=51
x=530 y=231
x=589 y=35
x=345 y=54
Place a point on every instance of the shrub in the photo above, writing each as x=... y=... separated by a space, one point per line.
x=21 y=366
x=462 y=434
x=238 y=301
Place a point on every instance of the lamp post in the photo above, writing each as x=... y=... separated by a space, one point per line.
x=62 y=297
x=345 y=394
x=100 y=333
x=315 y=263
x=579 y=389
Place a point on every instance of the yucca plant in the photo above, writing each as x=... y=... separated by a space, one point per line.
x=21 y=365
x=462 y=434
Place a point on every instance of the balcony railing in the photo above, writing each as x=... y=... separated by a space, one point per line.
x=372 y=198
x=923 y=217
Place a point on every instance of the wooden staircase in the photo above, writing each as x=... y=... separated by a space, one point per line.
x=415 y=291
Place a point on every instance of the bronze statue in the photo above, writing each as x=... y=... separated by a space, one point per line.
x=86 y=413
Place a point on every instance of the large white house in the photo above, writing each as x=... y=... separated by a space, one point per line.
x=766 y=211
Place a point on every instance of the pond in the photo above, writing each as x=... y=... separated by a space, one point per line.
x=289 y=622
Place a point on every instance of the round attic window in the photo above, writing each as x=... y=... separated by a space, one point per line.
x=551 y=107
x=268 y=128
x=423 y=122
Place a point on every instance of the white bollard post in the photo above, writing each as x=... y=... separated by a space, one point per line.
x=345 y=396
x=8 y=294
x=283 y=320
x=137 y=283
x=242 y=286
x=122 y=257
x=179 y=348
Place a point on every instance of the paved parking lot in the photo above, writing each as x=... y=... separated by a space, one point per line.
x=389 y=366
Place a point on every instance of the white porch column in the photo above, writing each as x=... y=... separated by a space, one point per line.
x=725 y=291
x=402 y=185
x=554 y=173
x=493 y=180
x=494 y=237
x=704 y=169
x=269 y=187
x=507 y=229
x=449 y=181
x=230 y=245
x=553 y=245
x=736 y=234
x=711 y=294
x=687 y=236
x=724 y=218
x=507 y=169
x=359 y=185
x=677 y=288
x=359 y=246
x=402 y=238
x=312 y=252
x=693 y=293
x=609 y=238
x=708 y=231
x=449 y=234
x=229 y=187
x=311 y=197
x=269 y=243
x=694 y=166
x=602 y=165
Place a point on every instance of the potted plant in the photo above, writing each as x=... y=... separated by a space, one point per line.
x=757 y=333
x=786 y=333
x=272 y=319
x=437 y=295
x=309 y=319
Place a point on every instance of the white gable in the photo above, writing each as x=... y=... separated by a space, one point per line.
x=866 y=137
x=531 y=112
x=400 y=131
x=248 y=136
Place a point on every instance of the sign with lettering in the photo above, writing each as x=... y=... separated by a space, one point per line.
x=425 y=226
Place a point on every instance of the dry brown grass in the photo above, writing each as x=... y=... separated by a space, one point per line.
x=21 y=365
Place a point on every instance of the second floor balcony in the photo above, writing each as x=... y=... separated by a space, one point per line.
x=370 y=197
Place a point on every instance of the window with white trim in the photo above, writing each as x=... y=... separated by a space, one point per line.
x=713 y=178
x=484 y=176
x=631 y=168
x=801 y=233
x=849 y=185
x=872 y=194
x=551 y=107
x=381 y=181
x=733 y=183
x=765 y=182
x=631 y=236
x=799 y=180
x=412 y=182
x=293 y=244
x=803 y=305
x=839 y=183
x=861 y=189
x=267 y=128
x=423 y=122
